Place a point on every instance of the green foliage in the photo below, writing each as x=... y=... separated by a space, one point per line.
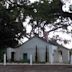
x=10 y=30
x=1 y=54
x=25 y=61
x=14 y=13
x=46 y=11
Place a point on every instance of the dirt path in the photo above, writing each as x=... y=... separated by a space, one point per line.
x=36 y=68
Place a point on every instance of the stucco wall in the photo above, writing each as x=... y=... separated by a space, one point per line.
x=30 y=48
x=9 y=50
x=65 y=54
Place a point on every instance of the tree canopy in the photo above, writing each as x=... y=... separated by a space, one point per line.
x=14 y=12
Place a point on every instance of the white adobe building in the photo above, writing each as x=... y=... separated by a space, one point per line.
x=45 y=50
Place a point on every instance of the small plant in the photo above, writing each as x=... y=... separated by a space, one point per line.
x=1 y=54
x=25 y=61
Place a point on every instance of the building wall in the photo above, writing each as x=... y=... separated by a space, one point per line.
x=30 y=49
x=65 y=54
x=9 y=50
x=53 y=56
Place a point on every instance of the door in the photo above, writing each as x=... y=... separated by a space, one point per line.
x=60 y=56
x=25 y=57
x=12 y=56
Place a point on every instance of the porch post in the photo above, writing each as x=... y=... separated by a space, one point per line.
x=30 y=59
x=70 y=54
x=4 y=58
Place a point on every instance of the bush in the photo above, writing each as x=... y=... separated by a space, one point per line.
x=25 y=61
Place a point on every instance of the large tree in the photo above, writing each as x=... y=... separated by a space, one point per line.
x=46 y=12
x=43 y=13
x=14 y=12
x=11 y=21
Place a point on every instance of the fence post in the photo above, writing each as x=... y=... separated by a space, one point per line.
x=71 y=60
x=30 y=59
x=4 y=58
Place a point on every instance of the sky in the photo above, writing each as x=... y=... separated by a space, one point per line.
x=66 y=5
x=32 y=1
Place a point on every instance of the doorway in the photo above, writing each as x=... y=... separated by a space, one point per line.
x=60 y=56
x=25 y=57
x=12 y=56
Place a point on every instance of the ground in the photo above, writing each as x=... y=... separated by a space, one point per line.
x=36 y=68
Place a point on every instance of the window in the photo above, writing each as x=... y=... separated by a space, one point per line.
x=54 y=50
x=25 y=56
x=60 y=52
x=12 y=56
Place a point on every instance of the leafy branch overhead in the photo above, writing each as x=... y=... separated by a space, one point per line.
x=45 y=13
x=14 y=12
